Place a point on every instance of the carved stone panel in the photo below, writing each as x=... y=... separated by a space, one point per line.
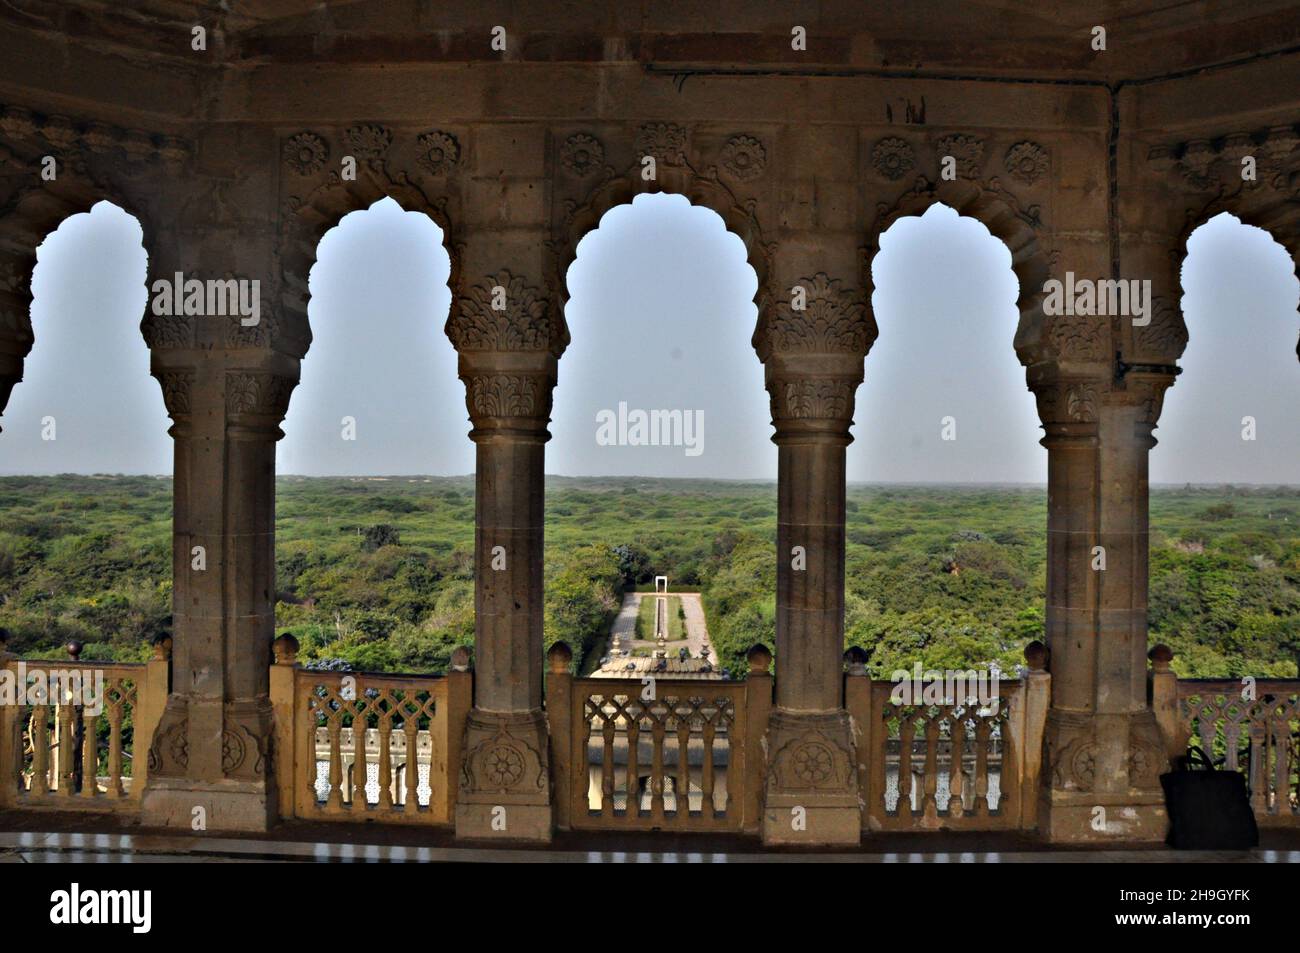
x=505 y=759
x=258 y=395
x=505 y=313
x=818 y=316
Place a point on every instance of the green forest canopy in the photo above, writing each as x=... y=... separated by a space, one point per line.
x=377 y=574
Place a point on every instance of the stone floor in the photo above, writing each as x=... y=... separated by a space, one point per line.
x=342 y=844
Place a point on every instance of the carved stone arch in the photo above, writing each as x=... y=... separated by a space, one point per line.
x=28 y=216
x=1277 y=215
x=1017 y=228
x=703 y=189
x=1204 y=177
x=305 y=220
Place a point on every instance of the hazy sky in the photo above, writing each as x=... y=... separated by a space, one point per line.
x=661 y=314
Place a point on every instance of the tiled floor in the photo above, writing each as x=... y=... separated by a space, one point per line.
x=34 y=847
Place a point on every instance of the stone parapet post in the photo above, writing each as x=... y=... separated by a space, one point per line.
x=857 y=702
x=1164 y=701
x=509 y=337
x=285 y=712
x=812 y=345
x=1028 y=731
x=758 y=710
x=150 y=704
x=9 y=734
x=559 y=720
x=460 y=699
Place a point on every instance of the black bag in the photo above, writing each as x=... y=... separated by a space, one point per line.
x=1208 y=809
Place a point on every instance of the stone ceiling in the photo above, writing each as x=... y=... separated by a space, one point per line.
x=1043 y=38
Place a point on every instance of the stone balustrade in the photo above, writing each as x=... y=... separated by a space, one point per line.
x=75 y=735
x=646 y=755
x=957 y=763
x=658 y=753
x=1253 y=725
x=361 y=746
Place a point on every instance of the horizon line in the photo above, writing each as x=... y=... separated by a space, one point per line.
x=691 y=479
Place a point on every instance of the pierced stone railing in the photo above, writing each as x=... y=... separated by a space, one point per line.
x=57 y=753
x=949 y=765
x=1253 y=725
x=679 y=755
x=356 y=746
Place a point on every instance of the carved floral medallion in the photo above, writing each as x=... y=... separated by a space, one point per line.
x=582 y=154
x=893 y=158
x=305 y=153
x=744 y=158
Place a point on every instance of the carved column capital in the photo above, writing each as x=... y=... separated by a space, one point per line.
x=504 y=312
x=510 y=336
x=1144 y=388
x=812 y=346
x=817 y=316
x=1069 y=408
x=177 y=390
x=256 y=401
x=508 y=391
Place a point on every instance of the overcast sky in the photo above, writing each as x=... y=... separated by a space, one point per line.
x=661 y=314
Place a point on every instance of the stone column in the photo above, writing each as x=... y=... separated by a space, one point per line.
x=1104 y=754
x=812 y=348
x=509 y=338
x=212 y=747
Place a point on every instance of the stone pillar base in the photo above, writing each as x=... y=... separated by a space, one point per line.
x=812 y=782
x=505 y=785
x=226 y=805
x=215 y=756
x=1104 y=781
x=1091 y=819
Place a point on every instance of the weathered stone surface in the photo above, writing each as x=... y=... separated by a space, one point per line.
x=238 y=158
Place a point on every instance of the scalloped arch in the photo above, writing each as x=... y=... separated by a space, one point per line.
x=1028 y=260
x=303 y=226
x=1279 y=217
x=30 y=217
x=702 y=190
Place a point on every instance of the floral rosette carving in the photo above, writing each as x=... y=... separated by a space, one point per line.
x=1027 y=162
x=582 y=154
x=438 y=153
x=1216 y=164
x=812 y=763
x=305 y=153
x=744 y=158
x=893 y=158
